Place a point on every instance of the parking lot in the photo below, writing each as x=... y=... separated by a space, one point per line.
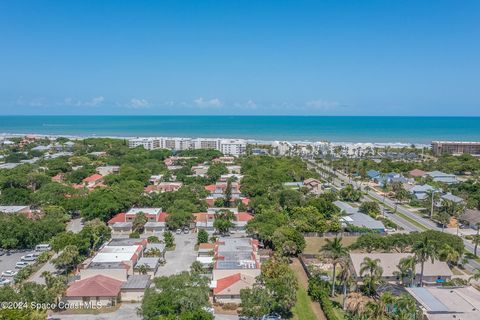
x=7 y=262
x=182 y=257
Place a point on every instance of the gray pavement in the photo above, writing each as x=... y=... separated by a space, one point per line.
x=127 y=311
x=48 y=266
x=8 y=262
x=75 y=225
x=182 y=257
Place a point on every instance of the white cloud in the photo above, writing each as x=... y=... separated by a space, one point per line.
x=323 y=104
x=212 y=103
x=33 y=102
x=139 y=103
x=94 y=102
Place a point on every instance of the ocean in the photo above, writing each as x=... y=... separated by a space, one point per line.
x=420 y=130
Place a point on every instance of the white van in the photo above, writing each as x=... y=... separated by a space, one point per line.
x=43 y=247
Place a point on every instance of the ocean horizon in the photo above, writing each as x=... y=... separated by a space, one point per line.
x=376 y=129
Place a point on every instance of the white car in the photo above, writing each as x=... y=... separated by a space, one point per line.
x=4 y=282
x=29 y=257
x=9 y=273
x=21 y=264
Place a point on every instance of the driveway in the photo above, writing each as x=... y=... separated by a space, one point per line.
x=127 y=311
x=48 y=266
x=182 y=257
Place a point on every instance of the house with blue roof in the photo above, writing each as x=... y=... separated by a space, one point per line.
x=421 y=191
x=439 y=176
x=372 y=174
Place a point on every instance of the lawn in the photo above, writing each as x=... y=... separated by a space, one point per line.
x=314 y=244
x=302 y=309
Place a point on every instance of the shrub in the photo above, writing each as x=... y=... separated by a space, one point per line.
x=318 y=290
x=134 y=235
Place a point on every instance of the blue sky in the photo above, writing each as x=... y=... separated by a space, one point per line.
x=240 y=57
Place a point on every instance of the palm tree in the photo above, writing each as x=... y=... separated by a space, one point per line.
x=434 y=196
x=444 y=218
x=406 y=270
x=56 y=285
x=476 y=239
x=449 y=254
x=142 y=269
x=372 y=271
x=356 y=303
x=424 y=250
x=345 y=277
x=475 y=276
x=406 y=308
x=335 y=252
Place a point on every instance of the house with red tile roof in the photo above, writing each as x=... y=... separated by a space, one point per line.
x=93 y=180
x=417 y=173
x=98 y=289
x=227 y=289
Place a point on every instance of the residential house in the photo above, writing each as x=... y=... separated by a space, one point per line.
x=390 y=178
x=236 y=264
x=106 y=170
x=352 y=216
x=163 y=187
x=227 y=289
x=434 y=273
x=312 y=184
x=439 y=176
x=444 y=303
x=452 y=198
x=122 y=223
x=470 y=217
x=97 y=290
x=421 y=191
x=200 y=170
x=134 y=288
x=93 y=181
x=417 y=173
x=372 y=174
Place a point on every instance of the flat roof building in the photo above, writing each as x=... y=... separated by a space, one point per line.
x=455 y=147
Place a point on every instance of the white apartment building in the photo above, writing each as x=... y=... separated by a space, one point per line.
x=233 y=147
x=147 y=143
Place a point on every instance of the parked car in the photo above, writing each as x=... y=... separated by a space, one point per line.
x=186 y=231
x=9 y=273
x=43 y=247
x=21 y=264
x=271 y=316
x=179 y=231
x=29 y=257
x=4 y=282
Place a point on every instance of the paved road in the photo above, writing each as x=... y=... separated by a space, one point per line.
x=48 y=266
x=75 y=225
x=127 y=311
x=426 y=223
x=182 y=257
